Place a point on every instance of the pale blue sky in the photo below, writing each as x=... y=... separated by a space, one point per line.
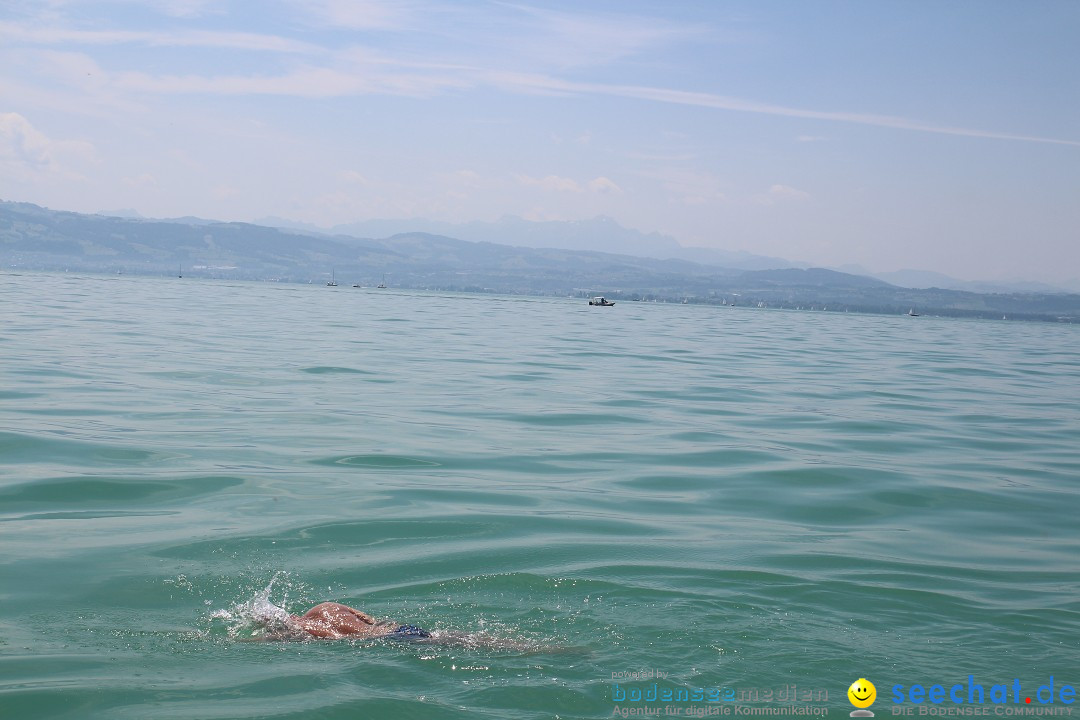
x=938 y=135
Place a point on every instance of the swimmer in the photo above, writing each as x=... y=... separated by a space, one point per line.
x=334 y=621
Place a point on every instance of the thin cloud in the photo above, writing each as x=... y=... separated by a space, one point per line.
x=424 y=80
x=171 y=8
x=787 y=191
x=346 y=75
x=545 y=84
x=312 y=82
x=354 y=178
x=574 y=39
x=604 y=186
x=64 y=82
x=22 y=142
x=600 y=185
x=186 y=8
x=359 y=14
x=689 y=187
x=26 y=149
x=551 y=182
x=468 y=175
x=145 y=180
x=780 y=193
x=16 y=32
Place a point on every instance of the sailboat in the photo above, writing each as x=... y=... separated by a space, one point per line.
x=181 y=274
x=333 y=281
x=382 y=285
x=912 y=313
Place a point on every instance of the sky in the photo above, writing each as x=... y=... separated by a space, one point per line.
x=943 y=136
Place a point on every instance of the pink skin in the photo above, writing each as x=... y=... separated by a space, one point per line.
x=334 y=620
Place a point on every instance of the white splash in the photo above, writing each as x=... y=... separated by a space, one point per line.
x=258 y=617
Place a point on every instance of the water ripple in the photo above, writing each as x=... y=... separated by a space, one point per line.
x=737 y=497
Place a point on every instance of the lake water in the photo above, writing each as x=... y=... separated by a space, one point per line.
x=736 y=498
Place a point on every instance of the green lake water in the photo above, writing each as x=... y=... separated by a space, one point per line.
x=737 y=499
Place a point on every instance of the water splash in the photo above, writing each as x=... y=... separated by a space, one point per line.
x=259 y=616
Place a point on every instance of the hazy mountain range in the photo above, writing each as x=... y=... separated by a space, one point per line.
x=36 y=238
x=602 y=234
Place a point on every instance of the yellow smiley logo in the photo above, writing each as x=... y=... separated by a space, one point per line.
x=862 y=693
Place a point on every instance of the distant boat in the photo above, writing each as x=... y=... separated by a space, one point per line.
x=601 y=301
x=382 y=285
x=358 y=285
x=181 y=274
x=912 y=313
x=333 y=280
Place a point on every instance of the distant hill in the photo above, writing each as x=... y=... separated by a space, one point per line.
x=927 y=279
x=36 y=238
x=814 y=277
x=286 y=224
x=600 y=234
x=123 y=213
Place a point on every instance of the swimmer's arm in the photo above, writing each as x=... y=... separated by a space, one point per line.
x=362 y=616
